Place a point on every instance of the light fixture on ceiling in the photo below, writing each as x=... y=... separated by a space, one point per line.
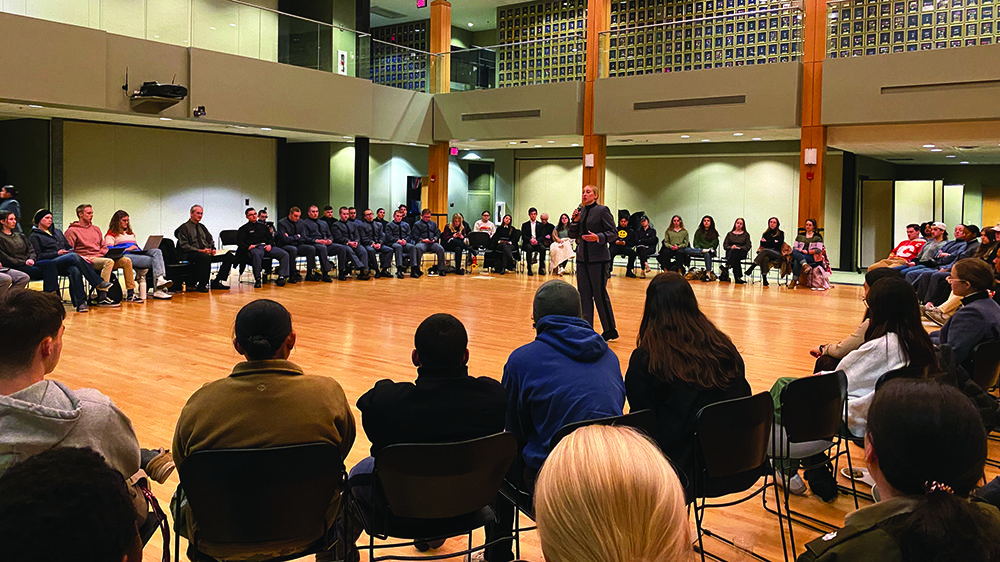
x=266 y=129
x=706 y=140
x=212 y=28
x=347 y=137
x=964 y=162
x=470 y=24
x=471 y=156
x=756 y=138
x=232 y=25
x=412 y=144
x=928 y=146
x=538 y=146
x=951 y=156
x=165 y=119
x=551 y=142
x=575 y=144
x=737 y=134
x=685 y=136
x=512 y=142
x=35 y=106
x=937 y=149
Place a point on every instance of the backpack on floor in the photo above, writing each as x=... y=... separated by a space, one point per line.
x=819 y=278
x=115 y=292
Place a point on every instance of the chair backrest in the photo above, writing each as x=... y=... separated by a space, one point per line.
x=732 y=437
x=169 y=251
x=478 y=239
x=228 y=237
x=643 y=420
x=440 y=480
x=986 y=364
x=812 y=408
x=247 y=496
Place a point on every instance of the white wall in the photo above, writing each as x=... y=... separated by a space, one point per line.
x=157 y=174
x=389 y=166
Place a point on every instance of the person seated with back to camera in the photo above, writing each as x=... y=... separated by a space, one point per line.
x=196 y=245
x=267 y=401
x=596 y=486
x=120 y=235
x=623 y=245
x=923 y=510
x=445 y=404
x=255 y=242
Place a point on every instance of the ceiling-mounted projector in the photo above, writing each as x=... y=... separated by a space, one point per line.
x=157 y=90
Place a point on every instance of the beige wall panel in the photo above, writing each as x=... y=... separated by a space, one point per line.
x=560 y=104
x=342 y=175
x=124 y=17
x=88 y=168
x=182 y=184
x=260 y=173
x=147 y=61
x=401 y=115
x=54 y=63
x=138 y=180
x=772 y=93
x=552 y=186
x=169 y=21
x=242 y=90
x=771 y=190
x=834 y=165
x=937 y=85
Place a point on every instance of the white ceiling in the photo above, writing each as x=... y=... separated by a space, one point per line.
x=976 y=142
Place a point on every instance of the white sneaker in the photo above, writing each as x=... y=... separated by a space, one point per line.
x=162 y=295
x=163 y=283
x=796 y=486
x=478 y=556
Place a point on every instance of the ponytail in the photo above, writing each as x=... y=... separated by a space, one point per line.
x=261 y=328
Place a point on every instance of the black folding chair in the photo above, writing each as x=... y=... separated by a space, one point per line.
x=812 y=412
x=252 y=498
x=431 y=491
x=732 y=438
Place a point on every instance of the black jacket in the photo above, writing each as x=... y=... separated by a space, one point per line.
x=252 y=234
x=646 y=237
x=291 y=233
x=421 y=230
x=47 y=245
x=344 y=232
x=394 y=232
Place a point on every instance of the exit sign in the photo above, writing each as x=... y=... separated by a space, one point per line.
x=421 y=3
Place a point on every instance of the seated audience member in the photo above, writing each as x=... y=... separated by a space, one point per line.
x=267 y=401
x=623 y=245
x=923 y=278
x=262 y=217
x=807 y=250
x=86 y=240
x=8 y=202
x=67 y=504
x=895 y=339
x=924 y=483
x=397 y=237
x=13 y=279
x=292 y=233
x=933 y=243
x=770 y=249
x=345 y=232
x=683 y=363
x=427 y=236
x=484 y=224
x=328 y=217
x=561 y=249
x=120 y=235
x=38 y=414
x=904 y=251
x=939 y=253
x=601 y=492
x=443 y=405
x=736 y=246
x=380 y=216
x=705 y=244
x=978 y=319
x=828 y=355
x=318 y=230
x=645 y=245
x=568 y=374
x=372 y=236
x=504 y=242
x=53 y=258
x=675 y=240
x=255 y=242
x=195 y=245
x=532 y=236
x=932 y=285
x=455 y=238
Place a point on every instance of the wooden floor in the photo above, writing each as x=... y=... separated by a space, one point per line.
x=149 y=358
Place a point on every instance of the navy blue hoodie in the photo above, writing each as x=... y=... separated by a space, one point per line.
x=568 y=374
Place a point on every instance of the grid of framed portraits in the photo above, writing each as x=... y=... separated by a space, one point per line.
x=541 y=42
x=875 y=27
x=650 y=36
x=400 y=68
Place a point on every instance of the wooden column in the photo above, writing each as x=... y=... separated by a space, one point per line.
x=435 y=194
x=598 y=20
x=812 y=186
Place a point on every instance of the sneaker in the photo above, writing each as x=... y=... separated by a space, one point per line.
x=158 y=463
x=415 y=273
x=281 y=281
x=163 y=295
x=83 y=308
x=476 y=557
x=105 y=302
x=610 y=335
x=796 y=486
x=257 y=284
x=400 y=274
x=822 y=482
x=934 y=315
x=201 y=289
x=104 y=285
x=163 y=283
x=219 y=285
x=134 y=298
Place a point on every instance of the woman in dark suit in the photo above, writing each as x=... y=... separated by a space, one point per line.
x=593 y=226
x=978 y=319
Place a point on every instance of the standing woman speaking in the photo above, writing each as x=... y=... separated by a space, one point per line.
x=592 y=226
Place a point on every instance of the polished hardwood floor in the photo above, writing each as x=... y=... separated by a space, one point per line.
x=149 y=358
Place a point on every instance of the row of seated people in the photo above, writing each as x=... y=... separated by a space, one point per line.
x=541 y=391
x=83 y=253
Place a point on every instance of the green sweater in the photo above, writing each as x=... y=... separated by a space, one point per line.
x=678 y=238
x=701 y=241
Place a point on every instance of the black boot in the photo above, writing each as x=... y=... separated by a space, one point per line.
x=724 y=274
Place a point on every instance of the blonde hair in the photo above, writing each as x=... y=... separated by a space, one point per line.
x=607 y=494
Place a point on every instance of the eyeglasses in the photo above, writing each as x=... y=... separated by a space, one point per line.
x=950 y=279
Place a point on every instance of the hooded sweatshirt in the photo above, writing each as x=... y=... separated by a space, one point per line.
x=86 y=240
x=48 y=414
x=568 y=374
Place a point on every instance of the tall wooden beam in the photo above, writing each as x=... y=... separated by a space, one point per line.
x=812 y=186
x=595 y=147
x=436 y=192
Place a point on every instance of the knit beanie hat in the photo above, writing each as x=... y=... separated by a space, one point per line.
x=556 y=297
x=40 y=214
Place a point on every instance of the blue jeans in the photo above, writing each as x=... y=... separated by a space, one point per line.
x=798 y=259
x=151 y=259
x=699 y=252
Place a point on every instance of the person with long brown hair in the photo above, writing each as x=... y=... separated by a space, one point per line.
x=120 y=234
x=682 y=363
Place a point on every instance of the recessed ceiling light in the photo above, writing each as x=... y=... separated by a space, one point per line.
x=265 y=129
x=575 y=144
x=737 y=134
x=756 y=138
x=156 y=37
x=412 y=144
x=706 y=140
x=35 y=106
x=937 y=149
x=232 y=25
x=346 y=137
x=928 y=146
x=538 y=146
x=964 y=162
x=470 y=24
x=551 y=142
x=950 y=156
x=212 y=28
x=685 y=136
x=512 y=142
x=165 y=119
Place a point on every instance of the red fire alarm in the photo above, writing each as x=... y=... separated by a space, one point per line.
x=810 y=176
x=433 y=177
